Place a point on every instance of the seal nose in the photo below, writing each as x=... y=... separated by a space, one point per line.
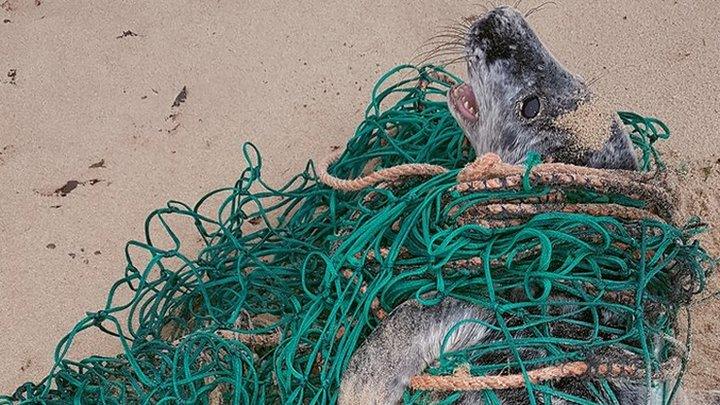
x=491 y=16
x=484 y=25
x=496 y=33
x=496 y=19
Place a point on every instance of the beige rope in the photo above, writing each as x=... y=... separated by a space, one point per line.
x=383 y=175
x=490 y=165
x=463 y=381
x=488 y=172
x=215 y=397
x=521 y=210
x=255 y=341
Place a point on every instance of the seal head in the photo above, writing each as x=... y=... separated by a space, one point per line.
x=519 y=98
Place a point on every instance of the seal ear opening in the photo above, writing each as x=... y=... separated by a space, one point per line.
x=617 y=153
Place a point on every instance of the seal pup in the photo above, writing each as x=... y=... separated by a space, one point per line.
x=518 y=99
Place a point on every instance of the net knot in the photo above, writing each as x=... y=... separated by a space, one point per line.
x=98 y=317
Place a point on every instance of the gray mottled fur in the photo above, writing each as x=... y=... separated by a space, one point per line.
x=410 y=340
x=506 y=64
x=403 y=346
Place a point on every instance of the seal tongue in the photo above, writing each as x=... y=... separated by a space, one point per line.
x=463 y=101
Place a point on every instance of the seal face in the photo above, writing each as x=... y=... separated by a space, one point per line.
x=519 y=98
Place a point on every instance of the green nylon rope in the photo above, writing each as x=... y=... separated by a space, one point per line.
x=280 y=253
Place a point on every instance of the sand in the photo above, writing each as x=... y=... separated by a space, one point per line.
x=86 y=109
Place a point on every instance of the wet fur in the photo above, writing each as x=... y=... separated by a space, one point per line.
x=506 y=64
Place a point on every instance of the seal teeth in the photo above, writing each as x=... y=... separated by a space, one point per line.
x=463 y=99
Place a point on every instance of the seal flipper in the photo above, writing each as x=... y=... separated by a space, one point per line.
x=403 y=345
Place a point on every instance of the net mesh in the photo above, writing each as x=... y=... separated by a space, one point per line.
x=290 y=280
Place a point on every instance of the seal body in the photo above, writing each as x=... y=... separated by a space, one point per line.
x=518 y=99
x=410 y=340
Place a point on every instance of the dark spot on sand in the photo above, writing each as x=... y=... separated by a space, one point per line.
x=67 y=188
x=334 y=148
x=93 y=182
x=26 y=365
x=171 y=130
x=55 y=206
x=7 y=21
x=143 y=97
x=127 y=33
x=72 y=255
x=181 y=97
x=12 y=75
x=51 y=246
x=97 y=253
x=254 y=221
x=709 y=170
x=98 y=165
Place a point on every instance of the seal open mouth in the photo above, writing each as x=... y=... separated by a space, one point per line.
x=462 y=102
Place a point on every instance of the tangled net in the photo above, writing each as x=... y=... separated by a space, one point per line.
x=290 y=280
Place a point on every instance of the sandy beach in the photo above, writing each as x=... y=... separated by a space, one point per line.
x=90 y=141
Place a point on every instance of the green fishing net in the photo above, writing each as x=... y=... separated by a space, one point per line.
x=288 y=281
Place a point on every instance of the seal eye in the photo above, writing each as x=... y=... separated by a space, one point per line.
x=530 y=107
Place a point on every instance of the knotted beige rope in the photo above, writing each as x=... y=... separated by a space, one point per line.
x=463 y=381
x=384 y=175
x=488 y=172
